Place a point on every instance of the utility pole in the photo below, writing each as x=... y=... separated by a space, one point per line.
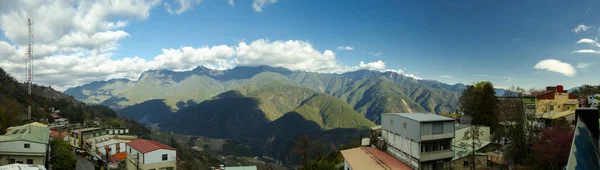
x=29 y=69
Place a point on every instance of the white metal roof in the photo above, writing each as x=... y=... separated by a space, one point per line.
x=422 y=117
x=22 y=167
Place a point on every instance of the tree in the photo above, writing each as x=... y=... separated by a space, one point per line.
x=479 y=101
x=471 y=143
x=302 y=148
x=62 y=157
x=514 y=92
x=519 y=130
x=11 y=112
x=551 y=149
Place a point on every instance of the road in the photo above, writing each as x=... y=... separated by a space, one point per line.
x=83 y=164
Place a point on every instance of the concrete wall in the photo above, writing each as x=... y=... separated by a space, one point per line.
x=37 y=160
x=161 y=165
x=427 y=127
x=395 y=124
x=132 y=154
x=18 y=147
x=156 y=156
x=113 y=148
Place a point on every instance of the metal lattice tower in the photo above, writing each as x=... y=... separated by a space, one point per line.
x=29 y=66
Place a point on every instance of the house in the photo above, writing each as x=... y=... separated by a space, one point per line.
x=460 y=159
x=110 y=147
x=422 y=141
x=79 y=137
x=555 y=103
x=369 y=158
x=237 y=168
x=26 y=144
x=147 y=155
x=592 y=100
x=22 y=167
x=60 y=135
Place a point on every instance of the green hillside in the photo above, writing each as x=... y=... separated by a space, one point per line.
x=370 y=93
x=330 y=113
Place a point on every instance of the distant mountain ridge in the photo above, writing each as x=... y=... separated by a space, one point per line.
x=356 y=88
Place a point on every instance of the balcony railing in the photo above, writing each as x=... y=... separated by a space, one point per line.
x=435 y=155
x=437 y=136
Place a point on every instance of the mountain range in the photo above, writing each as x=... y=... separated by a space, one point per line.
x=370 y=93
x=266 y=108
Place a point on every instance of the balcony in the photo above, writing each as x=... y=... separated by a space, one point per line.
x=435 y=155
x=437 y=136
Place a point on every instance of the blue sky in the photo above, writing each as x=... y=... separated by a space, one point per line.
x=452 y=42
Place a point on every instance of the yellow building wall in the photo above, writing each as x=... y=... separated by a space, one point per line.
x=560 y=104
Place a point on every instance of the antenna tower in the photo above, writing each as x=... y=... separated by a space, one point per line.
x=29 y=66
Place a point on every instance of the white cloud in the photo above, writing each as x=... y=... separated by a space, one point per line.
x=587 y=51
x=413 y=76
x=345 y=48
x=231 y=3
x=589 y=41
x=581 y=27
x=378 y=65
x=292 y=54
x=375 y=54
x=187 y=58
x=258 y=5
x=556 y=66
x=75 y=43
x=184 y=5
x=446 y=76
x=583 y=65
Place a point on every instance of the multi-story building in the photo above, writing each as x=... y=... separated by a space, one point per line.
x=422 y=141
x=26 y=144
x=555 y=103
x=150 y=155
x=80 y=136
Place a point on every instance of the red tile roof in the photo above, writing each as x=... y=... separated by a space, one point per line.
x=372 y=159
x=145 y=146
x=118 y=157
x=53 y=134
x=54 y=115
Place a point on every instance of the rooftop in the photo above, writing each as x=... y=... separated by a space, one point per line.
x=111 y=142
x=22 y=167
x=372 y=159
x=422 y=117
x=145 y=146
x=33 y=132
x=85 y=129
x=240 y=168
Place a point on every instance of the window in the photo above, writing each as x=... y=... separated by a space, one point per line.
x=391 y=122
x=551 y=107
x=164 y=157
x=129 y=150
x=438 y=128
x=11 y=161
x=465 y=163
x=29 y=161
x=404 y=125
x=26 y=145
x=559 y=106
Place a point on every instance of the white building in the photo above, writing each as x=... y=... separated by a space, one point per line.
x=147 y=155
x=422 y=141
